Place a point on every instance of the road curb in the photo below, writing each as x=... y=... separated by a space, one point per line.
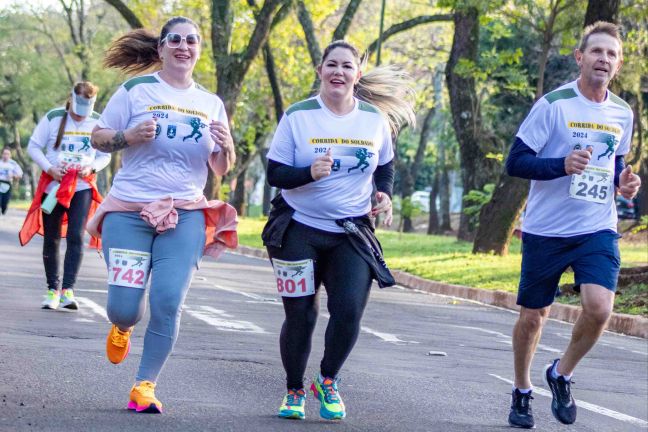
x=620 y=323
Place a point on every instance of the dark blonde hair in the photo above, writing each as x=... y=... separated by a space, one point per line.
x=137 y=50
x=82 y=88
x=608 y=28
x=389 y=88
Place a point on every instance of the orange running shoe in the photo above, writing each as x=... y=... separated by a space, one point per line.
x=118 y=344
x=142 y=399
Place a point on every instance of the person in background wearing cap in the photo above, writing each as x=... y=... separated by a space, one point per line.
x=9 y=171
x=69 y=167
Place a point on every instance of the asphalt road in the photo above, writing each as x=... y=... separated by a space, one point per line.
x=226 y=375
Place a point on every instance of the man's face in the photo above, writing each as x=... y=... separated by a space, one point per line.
x=6 y=154
x=601 y=59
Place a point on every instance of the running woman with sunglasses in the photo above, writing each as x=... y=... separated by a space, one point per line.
x=326 y=154
x=69 y=167
x=156 y=221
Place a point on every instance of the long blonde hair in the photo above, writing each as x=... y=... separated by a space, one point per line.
x=389 y=88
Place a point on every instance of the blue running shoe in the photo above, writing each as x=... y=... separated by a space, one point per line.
x=292 y=406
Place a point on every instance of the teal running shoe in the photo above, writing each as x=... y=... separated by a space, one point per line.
x=292 y=406
x=331 y=405
x=68 y=301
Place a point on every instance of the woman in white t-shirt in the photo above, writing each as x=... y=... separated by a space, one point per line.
x=326 y=155
x=9 y=171
x=60 y=145
x=155 y=220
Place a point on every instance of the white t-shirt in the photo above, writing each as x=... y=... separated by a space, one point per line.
x=359 y=142
x=75 y=149
x=560 y=122
x=9 y=170
x=175 y=163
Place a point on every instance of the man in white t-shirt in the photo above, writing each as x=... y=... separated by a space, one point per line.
x=571 y=147
x=9 y=171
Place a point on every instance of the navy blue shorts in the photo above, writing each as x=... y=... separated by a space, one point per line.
x=594 y=258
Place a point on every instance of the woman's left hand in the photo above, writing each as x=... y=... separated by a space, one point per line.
x=221 y=135
x=383 y=205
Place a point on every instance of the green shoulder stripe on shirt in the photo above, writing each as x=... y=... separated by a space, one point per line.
x=560 y=94
x=149 y=79
x=200 y=87
x=95 y=115
x=55 y=113
x=365 y=106
x=308 y=104
x=617 y=100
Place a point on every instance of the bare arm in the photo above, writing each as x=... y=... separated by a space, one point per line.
x=108 y=140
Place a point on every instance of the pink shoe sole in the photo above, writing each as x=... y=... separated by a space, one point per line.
x=151 y=409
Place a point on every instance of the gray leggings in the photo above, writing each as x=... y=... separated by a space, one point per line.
x=175 y=255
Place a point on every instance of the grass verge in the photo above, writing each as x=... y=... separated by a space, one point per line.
x=445 y=259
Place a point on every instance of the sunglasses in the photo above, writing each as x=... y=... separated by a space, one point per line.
x=173 y=40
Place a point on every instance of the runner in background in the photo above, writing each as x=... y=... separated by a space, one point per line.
x=326 y=154
x=9 y=171
x=68 y=179
x=155 y=220
x=571 y=145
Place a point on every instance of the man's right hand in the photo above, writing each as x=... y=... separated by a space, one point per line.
x=56 y=172
x=141 y=133
x=576 y=161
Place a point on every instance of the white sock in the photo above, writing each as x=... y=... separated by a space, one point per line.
x=555 y=374
x=523 y=391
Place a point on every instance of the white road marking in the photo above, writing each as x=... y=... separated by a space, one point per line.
x=588 y=406
x=387 y=337
x=249 y=295
x=506 y=338
x=94 y=307
x=221 y=320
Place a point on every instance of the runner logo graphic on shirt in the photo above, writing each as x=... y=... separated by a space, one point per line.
x=362 y=154
x=611 y=142
x=86 y=144
x=196 y=124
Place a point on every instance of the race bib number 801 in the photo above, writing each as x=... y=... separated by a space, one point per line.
x=128 y=268
x=294 y=278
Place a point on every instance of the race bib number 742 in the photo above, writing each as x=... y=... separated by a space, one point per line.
x=128 y=268
x=294 y=278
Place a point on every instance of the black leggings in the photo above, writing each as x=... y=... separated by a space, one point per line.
x=4 y=200
x=77 y=216
x=347 y=278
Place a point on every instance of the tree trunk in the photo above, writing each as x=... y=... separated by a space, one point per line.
x=476 y=169
x=24 y=163
x=433 y=219
x=239 y=197
x=444 y=207
x=497 y=217
x=602 y=10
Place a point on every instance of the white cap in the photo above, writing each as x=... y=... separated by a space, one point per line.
x=82 y=106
